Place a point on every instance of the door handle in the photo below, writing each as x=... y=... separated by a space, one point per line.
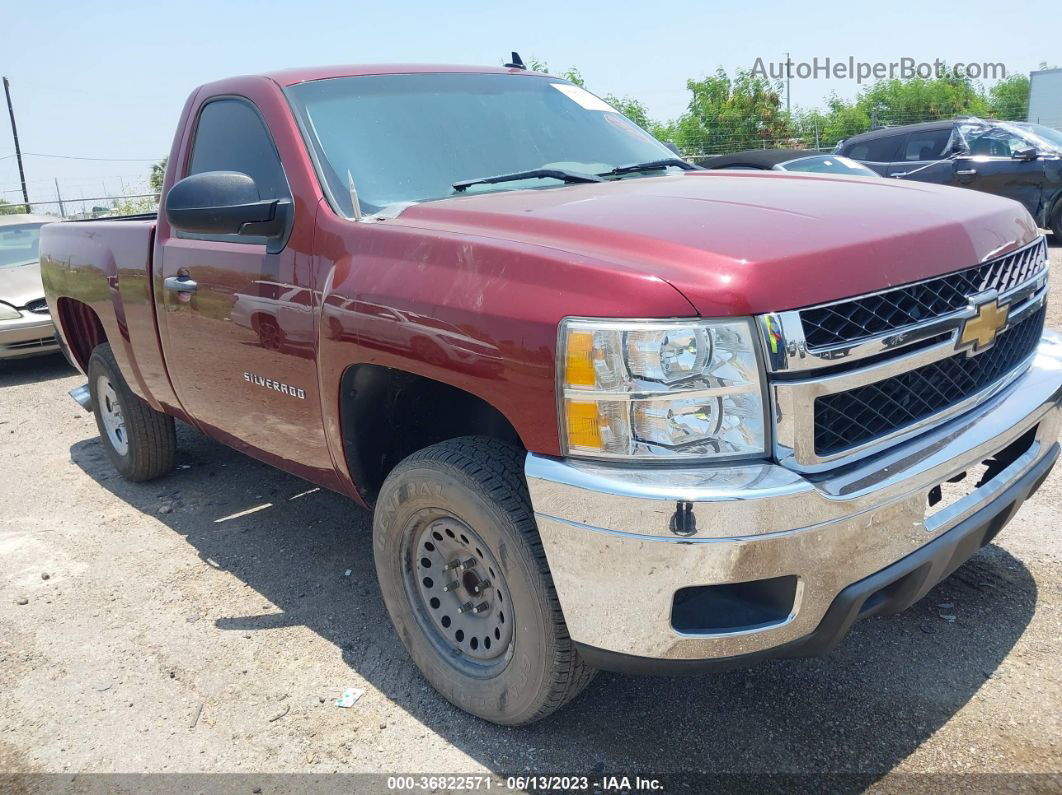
x=966 y=172
x=180 y=284
x=897 y=176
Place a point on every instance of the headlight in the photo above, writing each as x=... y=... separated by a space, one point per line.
x=657 y=389
x=8 y=312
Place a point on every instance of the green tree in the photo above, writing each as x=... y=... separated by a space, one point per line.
x=145 y=204
x=822 y=128
x=727 y=114
x=571 y=74
x=8 y=208
x=158 y=175
x=919 y=99
x=1009 y=99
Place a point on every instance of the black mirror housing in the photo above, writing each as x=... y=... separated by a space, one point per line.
x=225 y=203
x=1028 y=153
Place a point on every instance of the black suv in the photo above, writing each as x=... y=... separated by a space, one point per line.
x=1014 y=159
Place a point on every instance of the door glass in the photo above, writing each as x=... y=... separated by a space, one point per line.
x=992 y=141
x=927 y=145
x=879 y=150
x=230 y=136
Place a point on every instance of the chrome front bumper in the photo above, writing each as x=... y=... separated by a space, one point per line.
x=27 y=335
x=617 y=562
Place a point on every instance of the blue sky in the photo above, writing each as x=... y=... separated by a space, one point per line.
x=108 y=80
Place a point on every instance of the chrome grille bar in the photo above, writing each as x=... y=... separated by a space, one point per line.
x=1014 y=276
x=1016 y=281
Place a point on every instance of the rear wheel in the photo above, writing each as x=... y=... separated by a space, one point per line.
x=140 y=442
x=1056 y=224
x=466 y=582
x=269 y=332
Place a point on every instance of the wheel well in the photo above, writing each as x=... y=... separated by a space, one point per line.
x=82 y=329
x=388 y=414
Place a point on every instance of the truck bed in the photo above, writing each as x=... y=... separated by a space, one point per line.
x=106 y=263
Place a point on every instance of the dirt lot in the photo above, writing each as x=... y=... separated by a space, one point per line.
x=164 y=632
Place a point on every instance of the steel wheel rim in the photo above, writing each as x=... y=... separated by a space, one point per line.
x=449 y=561
x=111 y=415
x=269 y=334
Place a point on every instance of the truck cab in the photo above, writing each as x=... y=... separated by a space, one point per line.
x=609 y=410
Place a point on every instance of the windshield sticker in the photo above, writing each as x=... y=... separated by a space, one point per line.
x=583 y=97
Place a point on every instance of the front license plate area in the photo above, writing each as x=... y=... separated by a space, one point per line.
x=946 y=494
x=949 y=492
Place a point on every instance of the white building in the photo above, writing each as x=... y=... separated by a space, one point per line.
x=1045 y=97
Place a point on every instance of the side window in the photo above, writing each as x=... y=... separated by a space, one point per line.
x=231 y=136
x=927 y=145
x=302 y=298
x=993 y=141
x=877 y=150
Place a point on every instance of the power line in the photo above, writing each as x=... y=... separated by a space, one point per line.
x=98 y=159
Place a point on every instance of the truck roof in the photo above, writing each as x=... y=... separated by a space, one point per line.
x=304 y=74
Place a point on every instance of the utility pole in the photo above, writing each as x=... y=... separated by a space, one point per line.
x=18 y=150
x=788 y=69
x=59 y=196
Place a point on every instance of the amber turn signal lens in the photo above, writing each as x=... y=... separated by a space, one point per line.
x=584 y=430
x=579 y=360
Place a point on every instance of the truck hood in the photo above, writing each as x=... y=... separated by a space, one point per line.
x=21 y=284
x=736 y=243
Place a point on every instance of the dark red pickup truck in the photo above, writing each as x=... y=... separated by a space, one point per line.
x=610 y=411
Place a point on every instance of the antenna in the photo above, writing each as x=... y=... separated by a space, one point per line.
x=517 y=62
x=353 y=196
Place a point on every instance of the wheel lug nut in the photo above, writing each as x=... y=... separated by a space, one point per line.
x=468 y=564
x=453 y=564
x=480 y=608
x=451 y=586
x=481 y=586
x=466 y=607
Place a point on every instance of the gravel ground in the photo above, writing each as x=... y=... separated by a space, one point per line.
x=144 y=628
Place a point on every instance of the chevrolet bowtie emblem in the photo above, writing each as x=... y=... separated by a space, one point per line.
x=980 y=330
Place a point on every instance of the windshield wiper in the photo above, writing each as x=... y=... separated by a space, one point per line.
x=652 y=165
x=535 y=173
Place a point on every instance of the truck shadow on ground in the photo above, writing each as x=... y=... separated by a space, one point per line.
x=856 y=713
x=37 y=369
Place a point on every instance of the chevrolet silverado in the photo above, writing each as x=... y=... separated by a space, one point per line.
x=609 y=410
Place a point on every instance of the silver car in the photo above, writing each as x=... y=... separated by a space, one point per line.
x=26 y=327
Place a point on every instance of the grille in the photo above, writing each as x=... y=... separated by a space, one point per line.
x=851 y=418
x=43 y=342
x=850 y=321
x=40 y=306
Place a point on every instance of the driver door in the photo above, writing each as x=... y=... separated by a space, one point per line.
x=990 y=166
x=236 y=317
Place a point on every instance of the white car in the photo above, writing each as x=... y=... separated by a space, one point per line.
x=26 y=327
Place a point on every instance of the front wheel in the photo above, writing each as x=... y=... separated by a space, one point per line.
x=466 y=582
x=140 y=442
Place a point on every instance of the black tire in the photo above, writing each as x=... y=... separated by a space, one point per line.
x=150 y=436
x=476 y=483
x=1056 y=223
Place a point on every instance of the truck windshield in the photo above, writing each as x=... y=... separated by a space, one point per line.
x=828 y=164
x=409 y=138
x=18 y=244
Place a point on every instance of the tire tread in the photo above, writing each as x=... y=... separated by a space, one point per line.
x=496 y=468
x=153 y=435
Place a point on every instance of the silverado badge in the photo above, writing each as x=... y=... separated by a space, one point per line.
x=979 y=330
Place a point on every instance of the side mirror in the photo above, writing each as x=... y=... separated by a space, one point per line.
x=1028 y=153
x=673 y=147
x=225 y=203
